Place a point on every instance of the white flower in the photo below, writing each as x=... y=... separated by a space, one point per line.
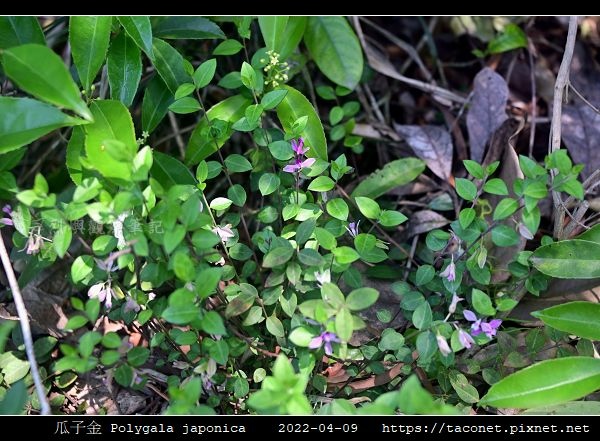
x=103 y=292
x=443 y=345
x=225 y=233
x=455 y=300
x=118 y=230
x=323 y=277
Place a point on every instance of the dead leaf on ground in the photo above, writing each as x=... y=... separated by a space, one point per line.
x=580 y=123
x=487 y=111
x=424 y=221
x=377 y=380
x=432 y=144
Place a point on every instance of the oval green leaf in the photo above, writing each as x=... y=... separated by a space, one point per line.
x=546 y=383
x=39 y=71
x=333 y=45
x=89 y=37
x=579 y=318
x=295 y=105
x=124 y=69
x=18 y=128
x=392 y=175
x=568 y=259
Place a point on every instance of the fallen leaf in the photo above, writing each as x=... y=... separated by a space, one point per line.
x=432 y=144
x=487 y=111
x=424 y=221
x=580 y=123
x=377 y=380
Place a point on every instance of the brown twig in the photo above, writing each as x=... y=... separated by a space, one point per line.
x=562 y=81
x=25 y=328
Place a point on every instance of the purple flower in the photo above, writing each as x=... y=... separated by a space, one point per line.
x=453 y=303
x=352 y=228
x=298 y=147
x=479 y=325
x=443 y=345
x=131 y=305
x=490 y=328
x=326 y=338
x=450 y=271
x=7 y=220
x=299 y=164
x=465 y=338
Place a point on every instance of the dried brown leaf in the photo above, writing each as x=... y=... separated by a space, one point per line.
x=432 y=144
x=424 y=221
x=487 y=111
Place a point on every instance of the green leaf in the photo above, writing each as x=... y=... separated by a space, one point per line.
x=124 y=69
x=111 y=340
x=18 y=128
x=274 y=326
x=219 y=204
x=239 y=305
x=546 y=383
x=76 y=322
x=474 y=169
x=173 y=237
x=12 y=368
x=568 y=259
x=535 y=189
x=200 y=145
x=305 y=230
x=13 y=401
x=338 y=209
x=15 y=31
x=62 y=240
x=391 y=340
x=361 y=298
x=81 y=268
x=321 y=183
x=87 y=343
x=466 y=217
x=496 y=186
x=482 y=303
x=335 y=48
x=463 y=388
x=168 y=171
x=273 y=31
x=39 y=71
x=368 y=207
x=422 y=316
x=512 y=38
x=389 y=218
x=140 y=31
x=181 y=314
x=237 y=164
x=112 y=121
x=424 y=275
x=579 y=318
x=310 y=257
x=278 y=256
x=295 y=105
x=504 y=236
x=124 y=375
x=569 y=408
x=530 y=168
x=89 y=37
x=169 y=64
x=505 y=208
x=344 y=324
x=189 y=28
x=185 y=105
x=157 y=99
x=205 y=73
x=219 y=351
x=237 y=194
x=228 y=47
x=273 y=98
x=212 y=323
x=301 y=336
x=466 y=189
x=392 y=175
